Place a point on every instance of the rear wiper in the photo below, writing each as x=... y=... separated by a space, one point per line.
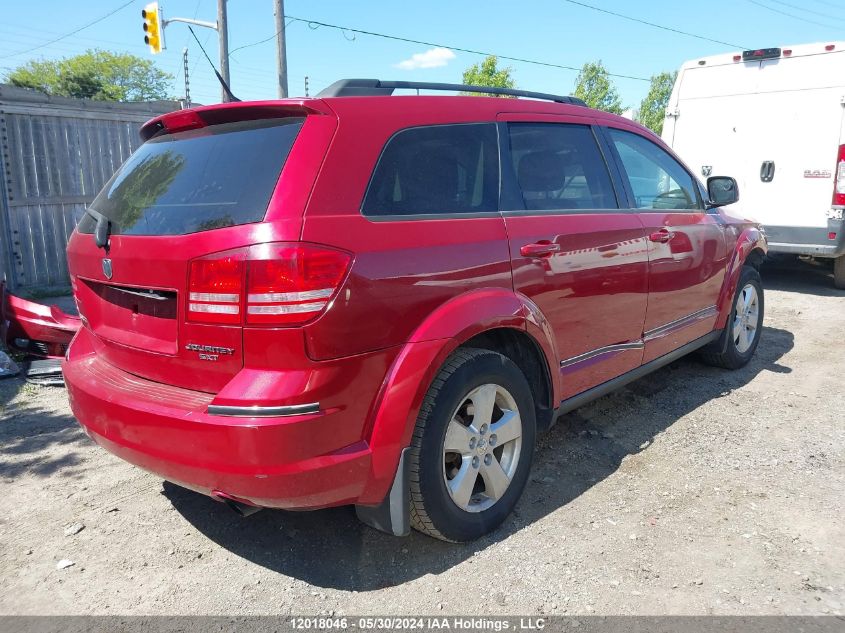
x=102 y=230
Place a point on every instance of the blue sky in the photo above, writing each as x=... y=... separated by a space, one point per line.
x=554 y=31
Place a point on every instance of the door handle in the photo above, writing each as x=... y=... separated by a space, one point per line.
x=540 y=249
x=662 y=236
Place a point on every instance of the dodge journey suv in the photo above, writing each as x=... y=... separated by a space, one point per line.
x=381 y=300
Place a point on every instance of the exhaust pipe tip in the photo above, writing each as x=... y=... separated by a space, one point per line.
x=241 y=509
x=238 y=507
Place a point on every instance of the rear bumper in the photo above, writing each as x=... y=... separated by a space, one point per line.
x=278 y=462
x=35 y=328
x=802 y=240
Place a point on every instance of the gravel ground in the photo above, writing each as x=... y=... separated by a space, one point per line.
x=692 y=491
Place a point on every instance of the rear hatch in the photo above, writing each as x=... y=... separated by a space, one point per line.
x=773 y=124
x=181 y=210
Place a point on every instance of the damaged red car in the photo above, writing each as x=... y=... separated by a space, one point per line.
x=35 y=329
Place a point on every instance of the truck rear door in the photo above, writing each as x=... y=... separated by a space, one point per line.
x=774 y=125
x=793 y=143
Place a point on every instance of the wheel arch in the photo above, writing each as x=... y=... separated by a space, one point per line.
x=751 y=249
x=495 y=318
x=525 y=352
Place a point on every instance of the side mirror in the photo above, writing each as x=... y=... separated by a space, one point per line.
x=721 y=191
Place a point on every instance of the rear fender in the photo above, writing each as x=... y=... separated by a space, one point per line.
x=395 y=412
x=750 y=239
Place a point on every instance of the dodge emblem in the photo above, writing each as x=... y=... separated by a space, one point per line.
x=706 y=170
x=107 y=271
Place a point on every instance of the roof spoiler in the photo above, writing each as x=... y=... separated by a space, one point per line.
x=377 y=87
x=202 y=116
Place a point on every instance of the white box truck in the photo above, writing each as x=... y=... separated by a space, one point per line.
x=774 y=119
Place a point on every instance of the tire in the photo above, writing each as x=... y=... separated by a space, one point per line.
x=742 y=332
x=839 y=272
x=440 y=506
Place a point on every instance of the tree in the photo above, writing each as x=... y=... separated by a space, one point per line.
x=96 y=74
x=595 y=87
x=488 y=74
x=653 y=106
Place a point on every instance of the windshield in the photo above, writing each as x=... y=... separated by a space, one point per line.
x=197 y=180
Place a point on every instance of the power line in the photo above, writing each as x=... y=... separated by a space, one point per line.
x=16 y=39
x=73 y=32
x=227 y=92
x=819 y=13
x=652 y=24
x=830 y=4
x=266 y=39
x=793 y=16
x=172 y=66
x=315 y=24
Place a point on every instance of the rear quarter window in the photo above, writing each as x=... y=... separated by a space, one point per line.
x=218 y=176
x=439 y=169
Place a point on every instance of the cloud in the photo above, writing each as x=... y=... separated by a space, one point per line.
x=432 y=58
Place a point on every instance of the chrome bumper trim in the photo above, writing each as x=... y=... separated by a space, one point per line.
x=263 y=412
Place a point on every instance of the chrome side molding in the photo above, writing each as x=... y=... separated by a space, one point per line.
x=677 y=324
x=652 y=334
x=601 y=351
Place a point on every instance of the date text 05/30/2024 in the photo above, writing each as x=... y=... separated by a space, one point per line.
x=455 y=623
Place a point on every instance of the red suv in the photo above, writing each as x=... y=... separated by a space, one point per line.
x=380 y=300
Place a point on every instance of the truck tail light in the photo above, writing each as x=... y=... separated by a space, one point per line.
x=266 y=284
x=839 y=182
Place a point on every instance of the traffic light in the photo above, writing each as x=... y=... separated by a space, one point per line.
x=153 y=27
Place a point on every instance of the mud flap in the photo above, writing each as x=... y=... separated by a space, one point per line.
x=392 y=515
x=720 y=345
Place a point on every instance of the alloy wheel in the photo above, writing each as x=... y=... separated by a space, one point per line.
x=746 y=318
x=482 y=447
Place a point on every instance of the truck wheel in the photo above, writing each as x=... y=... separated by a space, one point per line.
x=472 y=446
x=742 y=332
x=839 y=272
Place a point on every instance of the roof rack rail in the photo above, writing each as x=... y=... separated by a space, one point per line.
x=376 y=87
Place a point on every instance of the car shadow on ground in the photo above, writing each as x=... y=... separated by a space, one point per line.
x=790 y=274
x=29 y=430
x=330 y=548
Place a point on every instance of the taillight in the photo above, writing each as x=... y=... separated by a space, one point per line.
x=266 y=284
x=215 y=288
x=292 y=283
x=839 y=184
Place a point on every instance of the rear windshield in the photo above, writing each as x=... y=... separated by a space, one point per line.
x=197 y=180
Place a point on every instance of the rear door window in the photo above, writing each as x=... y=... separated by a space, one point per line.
x=657 y=180
x=438 y=169
x=559 y=166
x=217 y=176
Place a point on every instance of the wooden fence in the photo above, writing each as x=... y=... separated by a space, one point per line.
x=56 y=155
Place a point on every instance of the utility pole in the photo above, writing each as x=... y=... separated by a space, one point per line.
x=186 y=70
x=154 y=25
x=281 y=53
x=223 y=32
x=306 y=85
